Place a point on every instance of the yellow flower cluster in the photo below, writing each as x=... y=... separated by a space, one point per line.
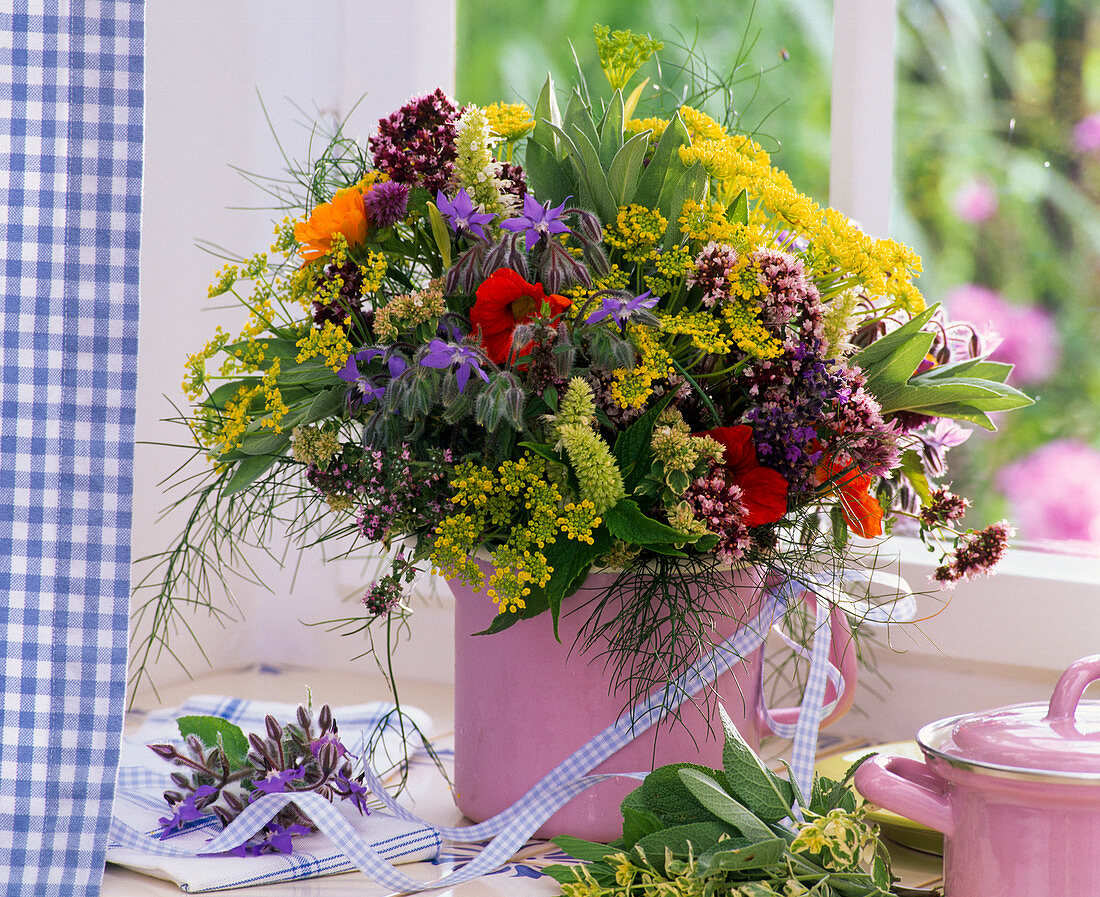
x=224 y=279
x=195 y=367
x=578 y=521
x=746 y=279
x=737 y=163
x=704 y=223
x=409 y=311
x=373 y=271
x=700 y=125
x=632 y=388
x=519 y=497
x=636 y=232
x=702 y=328
x=509 y=120
x=235 y=418
x=656 y=125
x=748 y=331
x=273 y=398
x=671 y=267
x=329 y=342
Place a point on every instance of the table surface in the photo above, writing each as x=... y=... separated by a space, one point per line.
x=519 y=878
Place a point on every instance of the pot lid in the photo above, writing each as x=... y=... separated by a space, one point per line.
x=1060 y=739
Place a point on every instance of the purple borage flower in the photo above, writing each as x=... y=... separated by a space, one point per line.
x=277 y=782
x=620 y=310
x=279 y=841
x=186 y=811
x=367 y=390
x=537 y=221
x=462 y=214
x=444 y=355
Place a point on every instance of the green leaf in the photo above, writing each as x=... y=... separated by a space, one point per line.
x=570 y=560
x=759 y=855
x=913 y=469
x=264 y=442
x=547 y=175
x=306 y=372
x=273 y=348
x=637 y=824
x=324 y=405
x=739 y=209
x=632 y=101
x=973 y=367
x=578 y=114
x=440 y=233
x=957 y=392
x=592 y=173
x=689 y=186
x=627 y=522
x=902 y=364
x=611 y=130
x=664 y=168
x=214 y=731
x=543 y=451
x=632 y=444
x=715 y=799
x=546 y=114
x=247 y=472
x=882 y=349
x=626 y=169
x=579 y=849
x=702 y=836
x=536 y=604
x=664 y=793
x=750 y=781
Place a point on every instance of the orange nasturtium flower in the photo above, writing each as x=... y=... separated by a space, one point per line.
x=343 y=215
x=862 y=511
x=505 y=300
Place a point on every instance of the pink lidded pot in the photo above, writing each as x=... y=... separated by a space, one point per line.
x=1015 y=791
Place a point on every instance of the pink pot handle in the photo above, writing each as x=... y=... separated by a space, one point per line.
x=907 y=787
x=842 y=655
x=1067 y=693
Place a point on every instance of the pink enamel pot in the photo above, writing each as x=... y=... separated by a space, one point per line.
x=524 y=702
x=1015 y=791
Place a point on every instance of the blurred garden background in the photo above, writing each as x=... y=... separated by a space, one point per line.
x=997 y=184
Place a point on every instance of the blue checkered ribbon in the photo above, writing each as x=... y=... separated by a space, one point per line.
x=71 y=95
x=512 y=828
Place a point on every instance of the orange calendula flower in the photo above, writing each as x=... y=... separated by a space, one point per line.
x=862 y=511
x=343 y=215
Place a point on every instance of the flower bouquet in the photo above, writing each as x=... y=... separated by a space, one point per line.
x=517 y=346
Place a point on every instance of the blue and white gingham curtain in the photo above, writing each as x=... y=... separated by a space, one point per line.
x=71 y=94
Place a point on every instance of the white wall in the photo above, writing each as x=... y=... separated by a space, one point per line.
x=206 y=60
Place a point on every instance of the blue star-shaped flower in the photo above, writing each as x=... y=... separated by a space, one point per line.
x=444 y=355
x=462 y=214
x=537 y=221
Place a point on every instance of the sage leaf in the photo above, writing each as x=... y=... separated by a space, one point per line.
x=579 y=849
x=715 y=800
x=759 y=855
x=750 y=781
x=702 y=836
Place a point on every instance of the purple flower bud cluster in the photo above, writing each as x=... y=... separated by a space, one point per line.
x=416 y=144
x=977 y=554
x=802 y=400
x=712 y=267
x=400 y=494
x=718 y=506
x=386 y=203
x=944 y=508
x=789 y=292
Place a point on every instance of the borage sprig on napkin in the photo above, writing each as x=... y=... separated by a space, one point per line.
x=227 y=770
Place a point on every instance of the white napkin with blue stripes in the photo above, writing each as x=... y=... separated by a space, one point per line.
x=143 y=777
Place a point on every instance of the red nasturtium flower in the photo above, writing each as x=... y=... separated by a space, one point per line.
x=504 y=300
x=764 y=490
x=861 y=509
x=343 y=215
